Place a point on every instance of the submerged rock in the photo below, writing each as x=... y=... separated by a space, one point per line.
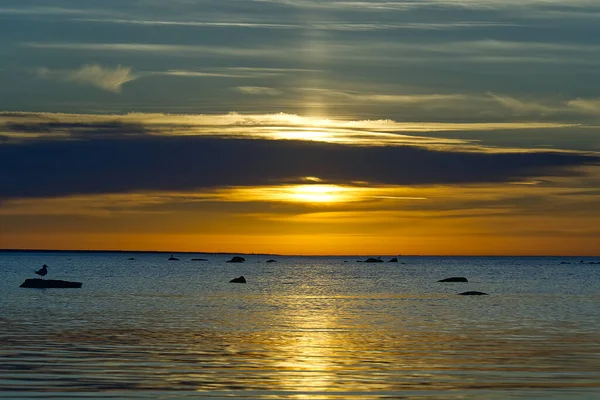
x=455 y=279
x=237 y=259
x=393 y=260
x=37 y=283
x=131 y=258
x=198 y=259
x=270 y=261
x=473 y=293
x=241 y=279
x=373 y=260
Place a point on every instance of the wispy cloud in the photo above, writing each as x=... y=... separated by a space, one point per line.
x=105 y=78
x=572 y=107
x=42 y=11
x=386 y=5
x=214 y=73
x=199 y=24
x=259 y=90
x=587 y=106
x=172 y=49
x=364 y=50
x=278 y=126
x=520 y=107
x=405 y=98
x=328 y=25
x=112 y=79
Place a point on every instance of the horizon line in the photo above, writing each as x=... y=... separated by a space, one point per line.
x=279 y=255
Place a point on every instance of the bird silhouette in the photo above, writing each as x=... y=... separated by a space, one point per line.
x=42 y=271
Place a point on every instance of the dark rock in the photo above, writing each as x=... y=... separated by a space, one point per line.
x=473 y=293
x=199 y=259
x=172 y=258
x=37 y=283
x=270 y=261
x=131 y=258
x=455 y=279
x=393 y=260
x=241 y=279
x=373 y=260
x=237 y=259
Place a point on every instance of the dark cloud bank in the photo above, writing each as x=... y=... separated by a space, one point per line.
x=108 y=163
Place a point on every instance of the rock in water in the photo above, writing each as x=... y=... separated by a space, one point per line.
x=455 y=279
x=270 y=261
x=237 y=259
x=241 y=279
x=37 y=283
x=473 y=293
x=373 y=260
x=393 y=260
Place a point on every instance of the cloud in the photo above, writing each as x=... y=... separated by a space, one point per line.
x=399 y=98
x=120 y=157
x=259 y=90
x=586 y=106
x=199 y=74
x=279 y=126
x=37 y=11
x=313 y=25
x=520 y=107
x=166 y=49
x=106 y=78
x=575 y=107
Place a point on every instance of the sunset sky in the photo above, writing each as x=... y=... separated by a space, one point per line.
x=430 y=127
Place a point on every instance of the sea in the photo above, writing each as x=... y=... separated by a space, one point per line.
x=144 y=327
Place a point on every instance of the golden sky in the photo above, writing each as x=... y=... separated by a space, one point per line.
x=301 y=127
x=213 y=184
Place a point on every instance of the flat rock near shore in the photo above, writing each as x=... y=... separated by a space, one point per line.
x=37 y=283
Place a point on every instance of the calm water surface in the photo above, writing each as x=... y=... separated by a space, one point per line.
x=302 y=327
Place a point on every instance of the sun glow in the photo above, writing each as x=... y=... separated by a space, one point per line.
x=314 y=135
x=319 y=193
x=302 y=193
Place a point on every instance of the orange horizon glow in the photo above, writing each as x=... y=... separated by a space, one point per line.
x=314 y=218
x=284 y=245
x=308 y=215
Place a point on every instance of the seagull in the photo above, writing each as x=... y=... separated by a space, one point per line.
x=42 y=271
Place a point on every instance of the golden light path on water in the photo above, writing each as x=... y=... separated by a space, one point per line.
x=320 y=347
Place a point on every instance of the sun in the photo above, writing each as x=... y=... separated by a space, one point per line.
x=317 y=193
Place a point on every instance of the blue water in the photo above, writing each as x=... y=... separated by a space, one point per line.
x=302 y=327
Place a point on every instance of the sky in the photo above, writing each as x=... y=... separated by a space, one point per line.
x=306 y=127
